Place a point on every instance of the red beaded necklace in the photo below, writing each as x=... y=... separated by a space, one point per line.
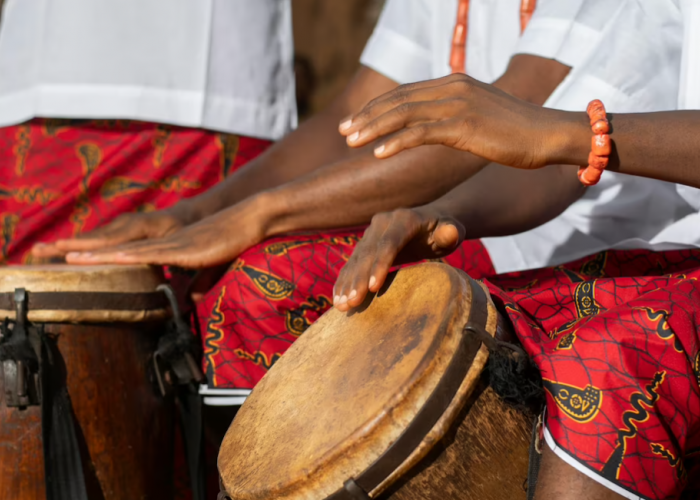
x=458 y=57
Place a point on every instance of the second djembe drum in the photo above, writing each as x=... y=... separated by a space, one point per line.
x=89 y=332
x=388 y=401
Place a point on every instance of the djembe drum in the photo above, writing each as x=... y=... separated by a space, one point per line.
x=82 y=337
x=388 y=401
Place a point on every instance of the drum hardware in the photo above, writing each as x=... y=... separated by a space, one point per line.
x=84 y=419
x=173 y=361
x=535 y=458
x=178 y=374
x=20 y=350
x=27 y=362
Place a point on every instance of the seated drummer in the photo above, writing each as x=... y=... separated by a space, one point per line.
x=615 y=334
x=280 y=283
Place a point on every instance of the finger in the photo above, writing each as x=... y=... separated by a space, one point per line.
x=449 y=133
x=106 y=237
x=123 y=254
x=45 y=250
x=395 y=239
x=352 y=283
x=353 y=286
x=414 y=92
x=446 y=237
x=406 y=115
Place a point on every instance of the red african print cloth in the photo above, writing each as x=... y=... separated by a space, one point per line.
x=274 y=292
x=616 y=338
x=61 y=177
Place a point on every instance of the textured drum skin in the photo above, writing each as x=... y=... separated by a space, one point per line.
x=353 y=382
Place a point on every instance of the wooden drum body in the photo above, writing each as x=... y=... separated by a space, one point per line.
x=124 y=428
x=386 y=402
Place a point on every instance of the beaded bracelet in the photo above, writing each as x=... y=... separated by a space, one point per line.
x=601 y=147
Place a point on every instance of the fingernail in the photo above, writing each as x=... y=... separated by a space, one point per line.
x=336 y=299
x=352 y=295
x=353 y=137
x=379 y=150
x=343 y=300
x=346 y=125
x=372 y=281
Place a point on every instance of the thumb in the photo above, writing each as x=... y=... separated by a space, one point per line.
x=447 y=235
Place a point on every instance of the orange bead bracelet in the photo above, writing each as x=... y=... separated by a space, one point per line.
x=601 y=145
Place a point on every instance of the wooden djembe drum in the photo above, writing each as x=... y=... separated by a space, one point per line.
x=389 y=401
x=91 y=331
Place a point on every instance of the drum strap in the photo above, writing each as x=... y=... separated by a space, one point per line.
x=63 y=464
x=359 y=488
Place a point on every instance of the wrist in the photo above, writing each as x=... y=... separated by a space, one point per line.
x=185 y=212
x=269 y=214
x=569 y=139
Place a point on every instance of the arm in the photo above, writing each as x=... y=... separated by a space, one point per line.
x=345 y=193
x=467 y=115
x=497 y=201
x=314 y=144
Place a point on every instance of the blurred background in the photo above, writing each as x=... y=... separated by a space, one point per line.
x=329 y=37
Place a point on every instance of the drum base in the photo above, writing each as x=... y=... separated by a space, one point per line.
x=484 y=457
x=124 y=428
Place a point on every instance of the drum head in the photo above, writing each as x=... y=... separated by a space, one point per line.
x=64 y=293
x=349 y=387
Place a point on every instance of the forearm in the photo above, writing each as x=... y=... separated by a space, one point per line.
x=305 y=149
x=662 y=146
x=314 y=144
x=349 y=193
x=500 y=201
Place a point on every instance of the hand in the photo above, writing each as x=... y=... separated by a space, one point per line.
x=459 y=112
x=393 y=238
x=215 y=240
x=123 y=229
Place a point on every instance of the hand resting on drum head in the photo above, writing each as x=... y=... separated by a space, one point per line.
x=394 y=238
x=165 y=239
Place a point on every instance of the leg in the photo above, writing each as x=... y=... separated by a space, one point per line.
x=560 y=481
x=265 y=301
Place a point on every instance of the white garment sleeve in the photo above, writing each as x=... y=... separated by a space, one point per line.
x=400 y=47
x=567 y=31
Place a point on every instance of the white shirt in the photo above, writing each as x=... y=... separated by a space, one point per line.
x=225 y=65
x=626 y=53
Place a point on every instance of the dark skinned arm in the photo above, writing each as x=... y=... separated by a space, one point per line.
x=314 y=144
x=497 y=201
x=345 y=193
x=467 y=115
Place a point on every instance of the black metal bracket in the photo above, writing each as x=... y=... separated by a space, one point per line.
x=174 y=362
x=20 y=349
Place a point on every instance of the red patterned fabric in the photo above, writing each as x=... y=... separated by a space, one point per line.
x=61 y=177
x=616 y=338
x=274 y=292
